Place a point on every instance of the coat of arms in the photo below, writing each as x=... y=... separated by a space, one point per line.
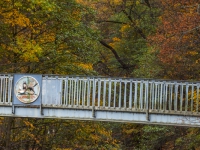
x=27 y=89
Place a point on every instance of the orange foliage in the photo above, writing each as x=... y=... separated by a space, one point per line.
x=177 y=38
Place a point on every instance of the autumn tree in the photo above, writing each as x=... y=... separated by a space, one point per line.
x=49 y=37
x=46 y=37
x=124 y=40
x=177 y=38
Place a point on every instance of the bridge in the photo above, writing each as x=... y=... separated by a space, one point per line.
x=163 y=102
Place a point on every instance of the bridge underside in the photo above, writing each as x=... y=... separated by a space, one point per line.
x=101 y=115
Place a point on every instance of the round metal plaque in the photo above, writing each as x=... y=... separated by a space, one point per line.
x=27 y=89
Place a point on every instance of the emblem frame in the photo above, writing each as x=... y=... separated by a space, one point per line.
x=27 y=89
x=16 y=102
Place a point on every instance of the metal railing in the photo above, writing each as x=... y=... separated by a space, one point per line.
x=5 y=89
x=113 y=94
x=126 y=94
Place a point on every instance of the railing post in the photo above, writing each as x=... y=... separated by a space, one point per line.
x=93 y=98
x=66 y=91
x=10 y=89
x=125 y=84
x=152 y=94
x=120 y=92
x=130 y=94
x=115 y=86
x=176 y=96
x=186 y=100
x=104 y=93
x=77 y=91
x=192 y=94
x=141 y=95
x=135 y=96
x=197 y=107
x=161 y=95
x=147 y=100
x=181 y=97
x=109 y=93
x=99 y=91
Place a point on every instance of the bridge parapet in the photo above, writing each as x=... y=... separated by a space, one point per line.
x=114 y=94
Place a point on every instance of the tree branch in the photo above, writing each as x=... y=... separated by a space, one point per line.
x=124 y=66
x=136 y=28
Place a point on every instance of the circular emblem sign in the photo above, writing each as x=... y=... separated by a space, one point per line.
x=27 y=89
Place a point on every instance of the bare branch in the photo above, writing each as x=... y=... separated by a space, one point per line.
x=115 y=54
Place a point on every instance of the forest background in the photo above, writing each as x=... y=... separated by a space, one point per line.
x=123 y=38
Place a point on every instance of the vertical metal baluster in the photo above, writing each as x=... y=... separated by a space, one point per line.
x=5 y=91
x=8 y=95
x=72 y=94
x=192 y=97
x=61 y=91
x=10 y=89
x=80 y=91
x=125 y=84
x=161 y=95
x=88 y=92
x=115 y=82
x=77 y=90
x=152 y=95
x=90 y=100
x=7 y=81
x=171 y=98
x=176 y=96
x=158 y=96
x=197 y=108
x=94 y=92
x=130 y=94
x=141 y=95
x=99 y=92
x=1 y=93
x=166 y=93
x=70 y=90
x=66 y=90
x=3 y=97
x=104 y=92
x=109 y=94
x=84 y=92
x=135 y=96
x=156 y=89
x=146 y=95
x=120 y=92
x=181 y=97
x=7 y=99
x=186 y=100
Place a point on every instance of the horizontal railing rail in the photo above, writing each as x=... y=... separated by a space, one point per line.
x=113 y=93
